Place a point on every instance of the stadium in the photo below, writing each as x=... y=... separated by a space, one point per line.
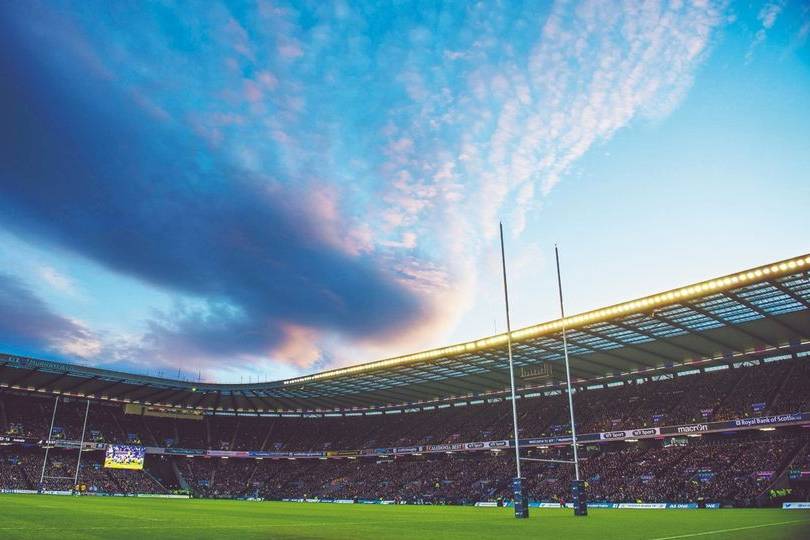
x=407 y=270
x=696 y=397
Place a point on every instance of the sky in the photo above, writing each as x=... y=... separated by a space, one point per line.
x=239 y=191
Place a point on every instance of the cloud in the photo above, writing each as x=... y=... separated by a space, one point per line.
x=514 y=104
x=57 y=280
x=767 y=17
x=29 y=325
x=86 y=172
x=306 y=179
x=595 y=68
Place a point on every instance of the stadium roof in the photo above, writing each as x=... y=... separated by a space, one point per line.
x=763 y=311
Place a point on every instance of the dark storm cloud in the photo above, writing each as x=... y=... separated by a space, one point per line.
x=27 y=324
x=83 y=169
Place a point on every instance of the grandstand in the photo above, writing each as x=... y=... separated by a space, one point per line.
x=695 y=396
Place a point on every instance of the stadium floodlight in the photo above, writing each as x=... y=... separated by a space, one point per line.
x=519 y=499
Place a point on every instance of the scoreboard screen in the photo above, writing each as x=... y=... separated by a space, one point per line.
x=120 y=456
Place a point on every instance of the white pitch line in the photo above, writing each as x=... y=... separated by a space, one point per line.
x=718 y=531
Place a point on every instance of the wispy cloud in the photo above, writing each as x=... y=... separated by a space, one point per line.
x=313 y=185
x=767 y=17
x=507 y=118
x=57 y=280
x=29 y=325
x=595 y=68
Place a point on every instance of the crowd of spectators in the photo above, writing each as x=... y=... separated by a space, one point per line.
x=729 y=469
x=21 y=468
x=719 y=467
x=776 y=387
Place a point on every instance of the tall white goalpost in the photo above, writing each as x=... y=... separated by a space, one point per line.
x=518 y=489
x=519 y=493
x=49 y=441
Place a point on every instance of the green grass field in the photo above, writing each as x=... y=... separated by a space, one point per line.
x=43 y=517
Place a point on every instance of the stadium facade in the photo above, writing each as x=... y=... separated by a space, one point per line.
x=716 y=367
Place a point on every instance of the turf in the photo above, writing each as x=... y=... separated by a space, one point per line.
x=43 y=517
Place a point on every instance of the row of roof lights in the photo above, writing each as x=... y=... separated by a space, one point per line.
x=426 y=403
x=642 y=304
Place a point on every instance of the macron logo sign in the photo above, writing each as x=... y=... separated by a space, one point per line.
x=693 y=428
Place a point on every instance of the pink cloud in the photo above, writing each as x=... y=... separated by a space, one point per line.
x=290 y=50
x=267 y=80
x=299 y=346
x=252 y=91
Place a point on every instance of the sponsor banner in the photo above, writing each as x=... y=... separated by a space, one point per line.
x=55 y=492
x=407 y=450
x=796 y=506
x=637 y=506
x=161 y=496
x=272 y=454
x=183 y=451
x=713 y=505
x=692 y=428
x=88 y=445
x=268 y=453
x=696 y=428
x=769 y=420
x=444 y=447
x=13 y=439
x=20 y=491
x=228 y=453
x=342 y=453
x=376 y=451
x=630 y=433
x=486 y=504
x=740 y=423
x=643 y=506
x=546 y=441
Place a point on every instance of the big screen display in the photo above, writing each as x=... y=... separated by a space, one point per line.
x=124 y=456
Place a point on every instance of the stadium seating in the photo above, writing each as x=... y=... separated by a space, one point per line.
x=736 y=468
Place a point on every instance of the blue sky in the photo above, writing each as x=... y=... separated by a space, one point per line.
x=257 y=190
